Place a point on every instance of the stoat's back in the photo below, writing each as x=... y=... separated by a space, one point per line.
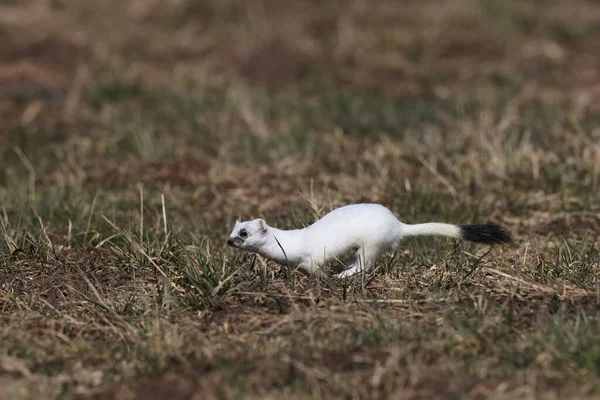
x=362 y=213
x=352 y=226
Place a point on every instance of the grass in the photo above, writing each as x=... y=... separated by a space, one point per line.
x=125 y=161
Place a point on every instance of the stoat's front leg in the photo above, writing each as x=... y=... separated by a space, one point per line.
x=308 y=266
x=364 y=258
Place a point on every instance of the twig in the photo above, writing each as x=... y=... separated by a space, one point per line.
x=439 y=176
x=31 y=170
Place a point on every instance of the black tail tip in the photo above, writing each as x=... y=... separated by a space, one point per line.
x=482 y=233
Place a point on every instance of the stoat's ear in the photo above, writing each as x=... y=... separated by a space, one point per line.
x=237 y=222
x=262 y=225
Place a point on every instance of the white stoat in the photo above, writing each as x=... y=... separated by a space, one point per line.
x=371 y=229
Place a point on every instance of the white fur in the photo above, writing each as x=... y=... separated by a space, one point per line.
x=371 y=229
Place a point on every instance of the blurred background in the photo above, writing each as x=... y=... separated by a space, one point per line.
x=261 y=99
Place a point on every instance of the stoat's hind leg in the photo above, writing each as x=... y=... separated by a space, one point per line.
x=363 y=261
x=347 y=263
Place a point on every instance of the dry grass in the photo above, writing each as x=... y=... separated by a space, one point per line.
x=133 y=133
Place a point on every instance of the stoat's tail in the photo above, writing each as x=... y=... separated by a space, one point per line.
x=489 y=234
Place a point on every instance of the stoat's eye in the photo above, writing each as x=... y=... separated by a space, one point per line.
x=243 y=233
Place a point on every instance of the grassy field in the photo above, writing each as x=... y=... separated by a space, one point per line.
x=133 y=133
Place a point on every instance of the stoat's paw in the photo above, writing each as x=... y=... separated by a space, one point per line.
x=348 y=273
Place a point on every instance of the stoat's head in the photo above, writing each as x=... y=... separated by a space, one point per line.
x=249 y=235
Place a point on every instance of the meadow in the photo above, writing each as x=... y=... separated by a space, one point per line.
x=134 y=133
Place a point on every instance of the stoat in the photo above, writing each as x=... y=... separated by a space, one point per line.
x=371 y=229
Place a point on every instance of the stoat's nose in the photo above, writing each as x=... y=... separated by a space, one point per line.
x=230 y=242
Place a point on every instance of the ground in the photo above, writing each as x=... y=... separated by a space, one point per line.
x=135 y=132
